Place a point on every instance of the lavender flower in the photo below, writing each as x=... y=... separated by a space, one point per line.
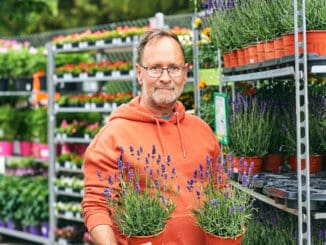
x=131 y=150
x=198 y=194
x=214 y=203
x=99 y=175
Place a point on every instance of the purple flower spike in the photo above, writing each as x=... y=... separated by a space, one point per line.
x=195 y=173
x=137 y=187
x=168 y=160
x=147 y=160
x=232 y=209
x=131 y=150
x=99 y=175
x=198 y=194
x=153 y=150
x=163 y=200
x=120 y=164
x=229 y=173
x=121 y=150
x=214 y=203
x=241 y=208
x=163 y=168
x=107 y=192
x=174 y=171
x=158 y=160
x=244 y=180
x=227 y=194
x=131 y=175
x=156 y=183
x=110 y=180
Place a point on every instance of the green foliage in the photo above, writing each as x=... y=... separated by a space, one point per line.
x=23 y=17
x=207 y=111
x=262 y=230
x=24 y=199
x=24 y=126
x=249 y=22
x=8 y=124
x=39 y=122
x=250 y=126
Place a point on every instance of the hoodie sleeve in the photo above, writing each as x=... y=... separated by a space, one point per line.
x=98 y=165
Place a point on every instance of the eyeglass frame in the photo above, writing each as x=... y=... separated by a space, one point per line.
x=162 y=70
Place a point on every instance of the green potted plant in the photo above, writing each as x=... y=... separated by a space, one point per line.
x=141 y=212
x=250 y=125
x=316 y=134
x=39 y=130
x=221 y=210
x=8 y=127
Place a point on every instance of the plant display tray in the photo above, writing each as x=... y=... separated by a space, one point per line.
x=283 y=188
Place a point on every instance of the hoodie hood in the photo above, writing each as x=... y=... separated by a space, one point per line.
x=133 y=111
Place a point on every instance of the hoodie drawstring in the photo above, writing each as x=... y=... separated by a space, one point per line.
x=180 y=135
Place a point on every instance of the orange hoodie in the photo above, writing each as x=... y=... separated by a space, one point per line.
x=186 y=138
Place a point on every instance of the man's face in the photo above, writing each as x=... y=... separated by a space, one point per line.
x=164 y=89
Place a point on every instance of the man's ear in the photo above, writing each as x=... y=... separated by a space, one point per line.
x=139 y=74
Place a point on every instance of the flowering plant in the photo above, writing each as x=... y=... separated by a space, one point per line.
x=251 y=123
x=219 y=207
x=141 y=196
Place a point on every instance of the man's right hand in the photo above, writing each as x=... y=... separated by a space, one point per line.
x=103 y=235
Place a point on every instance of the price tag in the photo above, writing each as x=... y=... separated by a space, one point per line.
x=83 y=75
x=83 y=44
x=99 y=74
x=2 y=165
x=99 y=43
x=67 y=46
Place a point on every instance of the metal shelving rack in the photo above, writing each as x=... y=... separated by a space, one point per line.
x=296 y=70
x=53 y=109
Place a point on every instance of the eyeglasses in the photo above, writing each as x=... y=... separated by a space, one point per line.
x=157 y=71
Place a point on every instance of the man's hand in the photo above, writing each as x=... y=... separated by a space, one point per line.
x=103 y=235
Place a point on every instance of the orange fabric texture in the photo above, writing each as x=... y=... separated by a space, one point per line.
x=186 y=138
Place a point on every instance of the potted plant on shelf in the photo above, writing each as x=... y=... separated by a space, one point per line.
x=250 y=124
x=316 y=134
x=221 y=210
x=8 y=127
x=141 y=213
x=24 y=131
x=39 y=122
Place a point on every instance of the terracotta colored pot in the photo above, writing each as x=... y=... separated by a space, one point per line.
x=246 y=55
x=156 y=239
x=315 y=163
x=288 y=43
x=211 y=239
x=272 y=162
x=226 y=59
x=233 y=58
x=316 y=42
x=278 y=47
x=241 y=57
x=269 y=50
x=260 y=52
x=253 y=55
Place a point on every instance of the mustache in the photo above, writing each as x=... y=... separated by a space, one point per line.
x=164 y=87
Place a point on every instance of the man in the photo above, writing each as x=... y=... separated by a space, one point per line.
x=154 y=117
